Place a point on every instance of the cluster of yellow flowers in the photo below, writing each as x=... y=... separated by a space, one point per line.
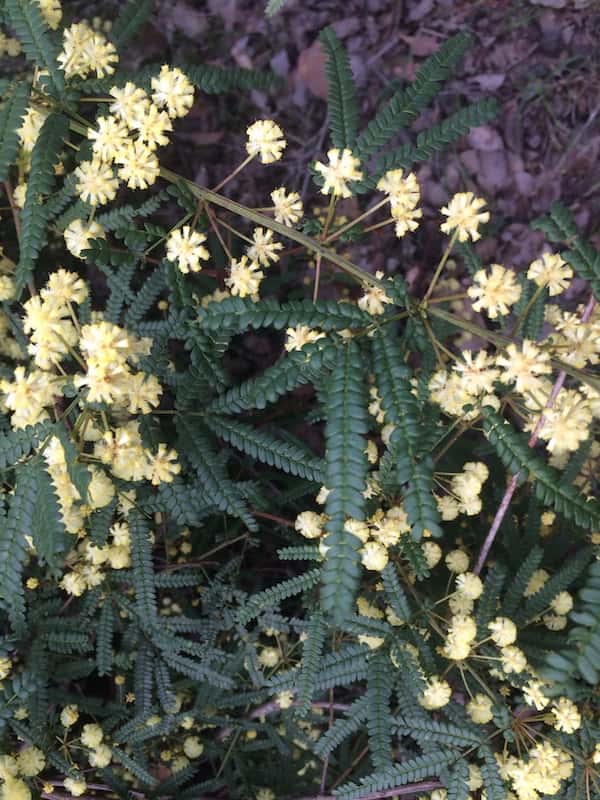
x=381 y=530
x=90 y=742
x=130 y=135
x=404 y=195
x=27 y=763
x=84 y=50
x=465 y=489
x=106 y=355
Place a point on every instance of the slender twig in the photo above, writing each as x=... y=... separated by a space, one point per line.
x=510 y=489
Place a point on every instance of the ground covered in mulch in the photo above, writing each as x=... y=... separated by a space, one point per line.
x=540 y=59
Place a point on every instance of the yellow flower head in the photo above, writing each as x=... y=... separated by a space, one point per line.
x=551 y=271
x=244 y=278
x=139 y=165
x=495 y=291
x=173 y=91
x=263 y=250
x=342 y=167
x=374 y=556
x=96 y=183
x=297 y=337
x=185 y=248
x=288 y=208
x=464 y=216
x=436 y=694
x=265 y=139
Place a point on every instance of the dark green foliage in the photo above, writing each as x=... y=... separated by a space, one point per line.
x=143 y=571
x=409 y=771
x=311 y=662
x=262 y=445
x=104 y=638
x=218 y=488
x=457 y=782
x=438 y=137
x=25 y=17
x=561 y=580
x=518 y=584
x=432 y=730
x=145 y=298
x=378 y=697
x=47 y=528
x=343 y=727
x=406 y=104
x=395 y=593
x=213 y=79
x=237 y=315
x=401 y=409
x=13 y=527
x=11 y=115
x=132 y=16
x=519 y=459
x=294 y=370
x=487 y=608
x=342 y=103
x=20 y=442
x=34 y=216
x=272 y=597
x=346 y=476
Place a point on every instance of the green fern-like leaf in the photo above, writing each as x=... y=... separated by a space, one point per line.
x=104 y=639
x=212 y=79
x=11 y=114
x=311 y=662
x=409 y=771
x=20 y=442
x=300 y=553
x=143 y=570
x=379 y=691
x=342 y=728
x=438 y=137
x=342 y=103
x=47 y=529
x=517 y=457
x=270 y=598
x=432 y=730
x=401 y=409
x=583 y=655
x=516 y=588
x=39 y=46
x=561 y=580
x=34 y=218
x=406 y=104
x=237 y=315
x=219 y=489
x=457 y=782
x=395 y=593
x=263 y=446
x=132 y=16
x=492 y=780
x=294 y=370
x=145 y=297
x=346 y=477
x=487 y=607
x=13 y=553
